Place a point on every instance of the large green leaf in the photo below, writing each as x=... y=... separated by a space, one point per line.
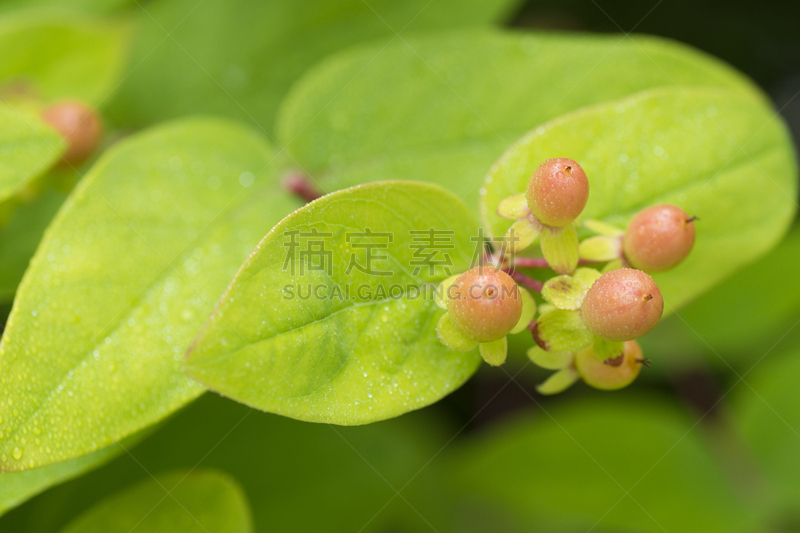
x=444 y=108
x=17 y=487
x=239 y=57
x=721 y=156
x=62 y=55
x=622 y=464
x=365 y=353
x=86 y=6
x=767 y=408
x=124 y=278
x=28 y=148
x=197 y=502
x=347 y=475
x=20 y=236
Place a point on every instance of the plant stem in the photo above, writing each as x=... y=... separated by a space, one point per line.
x=525 y=281
x=301 y=186
x=541 y=262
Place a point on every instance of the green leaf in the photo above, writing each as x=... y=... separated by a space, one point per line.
x=205 y=501
x=21 y=235
x=444 y=108
x=29 y=148
x=734 y=323
x=358 y=350
x=124 y=278
x=767 y=410
x=62 y=55
x=17 y=487
x=239 y=57
x=722 y=156
x=570 y=471
x=345 y=474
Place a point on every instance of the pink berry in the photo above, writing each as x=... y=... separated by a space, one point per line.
x=622 y=305
x=612 y=374
x=79 y=125
x=658 y=238
x=558 y=191
x=484 y=303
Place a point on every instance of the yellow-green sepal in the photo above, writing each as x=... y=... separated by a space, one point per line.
x=568 y=292
x=494 y=352
x=528 y=311
x=560 y=248
x=602 y=228
x=558 y=382
x=521 y=234
x=601 y=248
x=605 y=349
x=613 y=265
x=550 y=360
x=514 y=207
x=441 y=292
x=451 y=336
x=562 y=331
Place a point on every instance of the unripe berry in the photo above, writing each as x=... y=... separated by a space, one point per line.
x=484 y=303
x=612 y=374
x=658 y=238
x=79 y=125
x=558 y=191
x=622 y=305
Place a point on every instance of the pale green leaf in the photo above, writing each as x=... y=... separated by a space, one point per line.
x=565 y=292
x=558 y=381
x=560 y=248
x=124 y=278
x=621 y=463
x=514 y=207
x=239 y=57
x=562 y=331
x=62 y=55
x=550 y=360
x=452 y=337
x=722 y=156
x=528 y=311
x=341 y=357
x=444 y=108
x=199 y=501
x=28 y=148
x=494 y=352
x=600 y=248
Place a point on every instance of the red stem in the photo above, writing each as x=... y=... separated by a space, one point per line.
x=525 y=281
x=541 y=262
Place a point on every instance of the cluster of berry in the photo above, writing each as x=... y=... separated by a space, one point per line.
x=588 y=326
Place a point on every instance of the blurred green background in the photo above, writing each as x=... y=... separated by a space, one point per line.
x=708 y=438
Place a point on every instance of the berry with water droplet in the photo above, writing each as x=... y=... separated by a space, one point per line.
x=658 y=238
x=484 y=304
x=558 y=191
x=79 y=125
x=622 y=305
x=611 y=374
